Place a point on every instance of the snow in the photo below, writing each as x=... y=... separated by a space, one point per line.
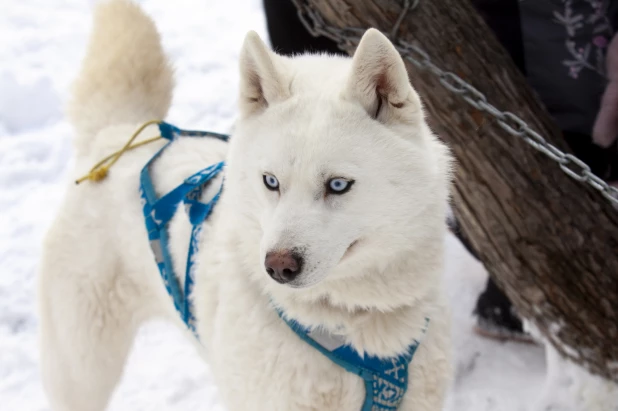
x=567 y=384
x=41 y=43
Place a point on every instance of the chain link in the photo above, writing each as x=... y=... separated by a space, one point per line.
x=349 y=37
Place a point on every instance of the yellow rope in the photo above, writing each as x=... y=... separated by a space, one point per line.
x=100 y=169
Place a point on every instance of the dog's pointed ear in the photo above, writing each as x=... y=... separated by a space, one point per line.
x=261 y=76
x=379 y=81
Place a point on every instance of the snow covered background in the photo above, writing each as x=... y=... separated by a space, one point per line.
x=41 y=44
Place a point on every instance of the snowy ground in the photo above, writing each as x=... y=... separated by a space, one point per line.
x=41 y=43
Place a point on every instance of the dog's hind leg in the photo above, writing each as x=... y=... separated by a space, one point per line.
x=88 y=323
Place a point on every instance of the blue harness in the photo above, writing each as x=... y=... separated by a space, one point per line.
x=386 y=379
x=159 y=211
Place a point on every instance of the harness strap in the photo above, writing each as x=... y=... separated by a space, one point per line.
x=386 y=380
x=159 y=211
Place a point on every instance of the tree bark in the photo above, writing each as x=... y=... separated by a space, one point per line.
x=549 y=241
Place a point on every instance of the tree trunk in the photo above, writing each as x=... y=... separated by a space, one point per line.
x=550 y=242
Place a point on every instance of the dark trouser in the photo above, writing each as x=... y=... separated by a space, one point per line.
x=288 y=36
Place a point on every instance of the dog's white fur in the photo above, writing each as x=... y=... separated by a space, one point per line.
x=373 y=256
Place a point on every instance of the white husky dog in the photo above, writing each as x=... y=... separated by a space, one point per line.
x=333 y=209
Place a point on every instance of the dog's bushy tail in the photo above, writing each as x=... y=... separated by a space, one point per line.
x=125 y=76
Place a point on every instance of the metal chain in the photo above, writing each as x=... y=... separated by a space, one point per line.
x=348 y=37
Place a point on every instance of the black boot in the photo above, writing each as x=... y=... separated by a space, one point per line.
x=496 y=317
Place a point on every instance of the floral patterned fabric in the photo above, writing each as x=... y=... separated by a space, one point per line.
x=565 y=44
x=587 y=34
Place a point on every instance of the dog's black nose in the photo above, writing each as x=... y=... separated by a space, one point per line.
x=283 y=266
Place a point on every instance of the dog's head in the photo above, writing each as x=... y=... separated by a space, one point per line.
x=333 y=161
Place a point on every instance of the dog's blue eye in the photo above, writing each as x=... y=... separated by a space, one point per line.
x=339 y=185
x=271 y=182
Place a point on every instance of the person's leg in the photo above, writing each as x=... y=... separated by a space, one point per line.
x=503 y=18
x=287 y=33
